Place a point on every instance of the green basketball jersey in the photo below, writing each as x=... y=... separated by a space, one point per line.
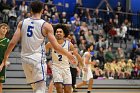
x=3 y=46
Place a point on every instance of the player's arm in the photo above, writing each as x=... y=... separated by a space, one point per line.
x=12 y=43
x=48 y=46
x=76 y=54
x=48 y=31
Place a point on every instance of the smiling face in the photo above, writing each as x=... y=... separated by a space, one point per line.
x=59 y=34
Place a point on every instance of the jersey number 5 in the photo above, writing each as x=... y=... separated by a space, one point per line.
x=30 y=31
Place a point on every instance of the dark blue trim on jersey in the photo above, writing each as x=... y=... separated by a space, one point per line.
x=67 y=84
x=57 y=82
x=64 y=43
x=69 y=46
x=35 y=19
x=41 y=29
x=36 y=81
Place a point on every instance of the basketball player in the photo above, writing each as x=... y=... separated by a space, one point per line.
x=3 y=46
x=32 y=32
x=60 y=66
x=87 y=74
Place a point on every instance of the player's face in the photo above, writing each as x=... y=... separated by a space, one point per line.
x=3 y=30
x=59 y=34
x=91 y=48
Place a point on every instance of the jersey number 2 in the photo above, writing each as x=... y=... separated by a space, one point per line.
x=30 y=31
x=60 y=57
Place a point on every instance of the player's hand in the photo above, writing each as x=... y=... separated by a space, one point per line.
x=71 y=58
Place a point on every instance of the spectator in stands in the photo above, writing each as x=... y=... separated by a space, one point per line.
x=47 y=11
x=82 y=44
x=4 y=28
x=5 y=8
x=97 y=72
x=74 y=18
x=100 y=57
x=55 y=19
x=107 y=69
x=63 y=18
x=119 y=54
x=90 y=37
x=129 y=68
x=28 y=15
x=21 y=17
x=102 y=42
x=23 y=7
x=122 y=64
x=109 y=56
x=123 y=32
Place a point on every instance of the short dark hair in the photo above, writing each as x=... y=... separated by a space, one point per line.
x=36 y=6
x=88 y=45
x=63 y=27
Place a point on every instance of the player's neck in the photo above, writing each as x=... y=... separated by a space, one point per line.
x=60 y=41
x=36 y=16
x=2 y=36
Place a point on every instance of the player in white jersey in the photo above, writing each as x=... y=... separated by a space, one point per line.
x=60 y=66
x=87 y=74
x=32 y=32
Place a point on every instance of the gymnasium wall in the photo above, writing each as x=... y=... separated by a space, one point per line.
x=135 y=5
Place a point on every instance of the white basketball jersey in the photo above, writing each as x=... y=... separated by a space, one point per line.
x=61 y=60
x=87 y=65
x=32 y=42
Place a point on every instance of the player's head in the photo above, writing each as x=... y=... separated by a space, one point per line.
x=60 y=31
x=4 y=28
x=89 y=46
x=36 y=7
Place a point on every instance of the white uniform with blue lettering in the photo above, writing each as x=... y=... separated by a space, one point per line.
x=61 y=67
x=33 y=53
x=87 y=75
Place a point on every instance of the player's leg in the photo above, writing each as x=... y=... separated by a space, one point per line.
x=57 y=78
x=59 y=87
x=67 y=80
x=90 y=84
x=2 y=79
x=50 y=87
x=67 y=89
x=78 y=85
x=35 y=74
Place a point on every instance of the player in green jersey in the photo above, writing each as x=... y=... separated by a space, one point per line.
x=4 y=28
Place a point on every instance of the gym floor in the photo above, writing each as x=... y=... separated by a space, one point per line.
x=79 y=91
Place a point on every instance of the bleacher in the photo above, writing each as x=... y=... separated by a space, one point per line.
x=16 y=78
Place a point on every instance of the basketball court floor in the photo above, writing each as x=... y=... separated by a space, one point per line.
x=79 y=91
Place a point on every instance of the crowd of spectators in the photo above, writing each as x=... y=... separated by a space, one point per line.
x=88 y=26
